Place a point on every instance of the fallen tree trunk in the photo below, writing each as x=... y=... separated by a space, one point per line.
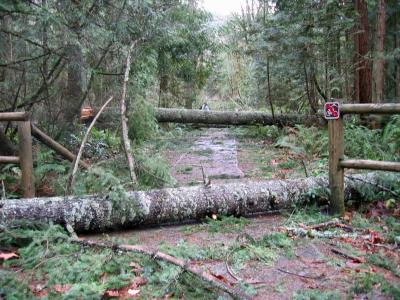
x=173 y=205
x=233 y=118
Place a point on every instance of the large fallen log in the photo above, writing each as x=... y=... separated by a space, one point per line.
x=233 y=118
x=173 y=205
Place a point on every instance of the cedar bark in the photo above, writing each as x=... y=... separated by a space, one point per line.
x=379 y=50
x=397 y=58
x=362 y=84
x=174 y=205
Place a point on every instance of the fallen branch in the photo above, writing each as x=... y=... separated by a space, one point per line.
x=52 y=144
x=332 y=223
x=124 y=120
x=383 y=188
x=312 y=233
x=348 y=256
x=75 y=163
x=155 y=254
x=300 y=275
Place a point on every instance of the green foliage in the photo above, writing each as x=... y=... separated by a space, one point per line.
x=7 y=176
x=380 y=259
x=184 y=251
x=101 y=143
x=309 y=215
x=47 y=169
x=367 y=282
x=391 y=136
x=276 y=240
x=13 y=288
x=47 y=255
x=309 y=294
x=270 y=133
x=224 y=224
x=142 y=122
x=152 y=171
x=393 y=225
x=100 y=181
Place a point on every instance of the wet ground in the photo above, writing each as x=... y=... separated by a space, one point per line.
x=309 y=264
x=212 y=155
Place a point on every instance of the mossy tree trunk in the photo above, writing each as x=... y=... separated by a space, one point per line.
x=172 y=205
x=232 y=118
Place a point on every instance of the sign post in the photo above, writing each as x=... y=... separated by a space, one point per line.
x=336 y=154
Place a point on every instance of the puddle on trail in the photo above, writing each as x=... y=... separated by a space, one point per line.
x=214 y=151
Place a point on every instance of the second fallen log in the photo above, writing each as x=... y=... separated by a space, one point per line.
x=232 y=118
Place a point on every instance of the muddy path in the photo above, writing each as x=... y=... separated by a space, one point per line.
x=212 y=154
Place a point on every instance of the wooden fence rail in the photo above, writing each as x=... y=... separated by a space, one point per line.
x=337 y=164
x=24 y=158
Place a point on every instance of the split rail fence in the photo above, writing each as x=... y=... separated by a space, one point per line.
x=24 y=158
x=337 y=163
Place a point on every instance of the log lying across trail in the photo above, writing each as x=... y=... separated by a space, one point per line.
x=173 y=205
x=232 y=118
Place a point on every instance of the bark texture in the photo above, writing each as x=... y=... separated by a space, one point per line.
x=379 y=67
x=232 y=118
x=172 y=205
x=362 y=62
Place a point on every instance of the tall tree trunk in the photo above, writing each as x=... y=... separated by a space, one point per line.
x=363 y=65
x=189 y=95
x=6 y=74
x=310 y=87
x=269 y=89
x=163 y=90
x=76 y=83
x=379 y=50
x=397 y=57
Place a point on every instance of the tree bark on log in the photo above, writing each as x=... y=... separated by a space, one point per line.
x=174 y=205
x=232 y=118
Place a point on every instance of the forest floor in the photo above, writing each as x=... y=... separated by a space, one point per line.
x=257 y=252
x=299 y=254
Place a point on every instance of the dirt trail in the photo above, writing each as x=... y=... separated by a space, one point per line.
x=214 y=151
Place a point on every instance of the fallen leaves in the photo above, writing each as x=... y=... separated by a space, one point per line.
x=7 y=256
x=130 y=291
x=61 y=288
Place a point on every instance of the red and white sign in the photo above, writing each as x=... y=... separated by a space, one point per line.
x=332 y=110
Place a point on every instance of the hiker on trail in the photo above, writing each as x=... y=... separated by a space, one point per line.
x=205 y=107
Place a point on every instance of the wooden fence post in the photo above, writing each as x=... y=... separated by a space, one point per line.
x=336 y=172
x=25 y=156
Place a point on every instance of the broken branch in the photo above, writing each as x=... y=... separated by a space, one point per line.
x=74 y=167
x=205 y=276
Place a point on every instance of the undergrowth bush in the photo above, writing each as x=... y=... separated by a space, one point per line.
x=142 y=122
x=101 y=143
x=152 y=171
x=360 y=141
